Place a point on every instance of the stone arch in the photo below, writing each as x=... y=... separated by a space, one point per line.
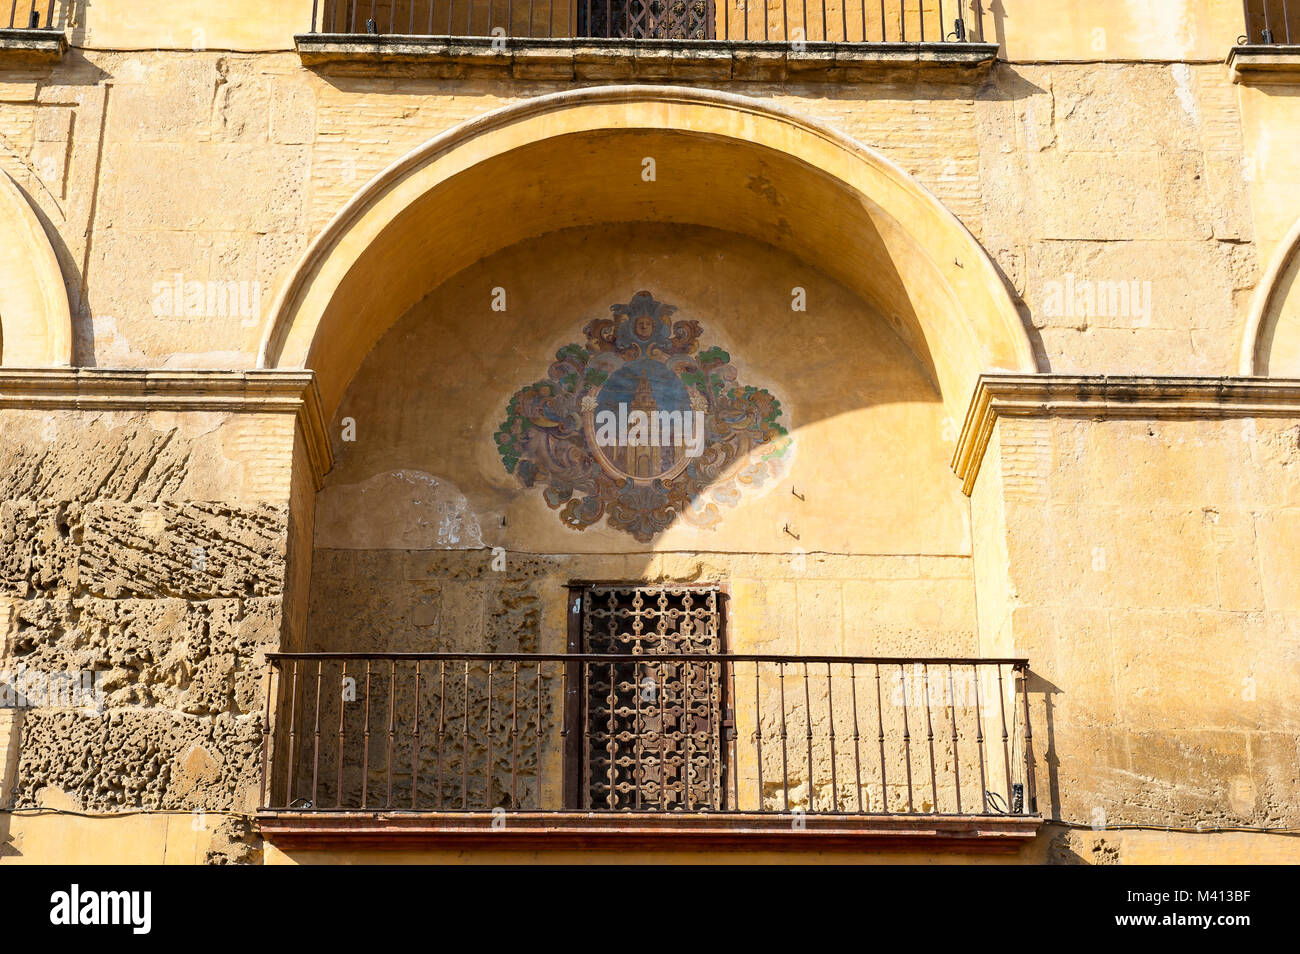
x=35 y=320
x=578 y=158
x=1271 y=343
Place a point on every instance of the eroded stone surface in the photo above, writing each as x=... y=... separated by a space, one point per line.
x=169 y=604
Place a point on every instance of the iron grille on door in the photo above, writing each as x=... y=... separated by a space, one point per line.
x=647 y=19
x=654 y=729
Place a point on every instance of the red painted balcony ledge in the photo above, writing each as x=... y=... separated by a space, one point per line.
x=994 y=834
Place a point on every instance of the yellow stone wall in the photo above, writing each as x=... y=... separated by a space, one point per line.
x=1143 y=565
x=1149 y=188
x=1155 y=589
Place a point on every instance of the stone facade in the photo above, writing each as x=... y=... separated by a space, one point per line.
x=1059 y=264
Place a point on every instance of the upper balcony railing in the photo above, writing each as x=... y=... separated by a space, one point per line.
x=786 y=21
x=686 y=734
x=32 y=15
x=1271 y=21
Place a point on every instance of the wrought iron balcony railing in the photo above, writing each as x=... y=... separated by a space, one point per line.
x=787 y=21
x=33 y=15
x=654 y=733
x=1271 y=21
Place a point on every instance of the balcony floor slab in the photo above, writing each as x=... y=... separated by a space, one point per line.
x=649 y=60
x=369 y=830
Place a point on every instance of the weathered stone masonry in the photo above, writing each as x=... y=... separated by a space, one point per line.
x=131 y=547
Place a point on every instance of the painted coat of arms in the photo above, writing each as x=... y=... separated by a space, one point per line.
x=640 y=427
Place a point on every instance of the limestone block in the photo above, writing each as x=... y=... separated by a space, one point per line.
x=820 y=618
x=23 y=91
x=242 y=101
x=195 y=193
x=909 y=617
x=197 y=658
x=90 y=460
x=1277 y=534
x=123 y=550
x=53 y=125
x=1097 y=196
x=1119 y=107
x=1275 y=448
x=761 y=615
x=1089 y=779
x=162 y=98
x=130 y=758
x=1071 y=647
x=40 y=551
x=293 y=112
x=1186 y=670
x=1136 y=286
x=1267 y=795
x=1184 y=775
x=196 y=550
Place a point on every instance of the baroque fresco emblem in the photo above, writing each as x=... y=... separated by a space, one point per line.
x=641 y=427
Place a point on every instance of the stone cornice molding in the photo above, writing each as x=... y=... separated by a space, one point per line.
x=240 y=392
x=1112 y=396
x=605 y=60
x=1262 y=63
x=24 y=47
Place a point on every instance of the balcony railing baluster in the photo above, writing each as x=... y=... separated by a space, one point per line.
x=857 y=751
x=26 y=15
x=415 y=747
x=956 y=758
x=365 y=750
x=464 y=747
x=880 y=724
x=315 y=755
x=979 y=737
x=1270 y=21
x=1006 y=752
x=487 y=775
x=830 y=723
x=293 y=732
x=442 y=724
x=907 y=737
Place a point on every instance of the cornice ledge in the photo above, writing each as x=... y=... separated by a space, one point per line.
x=1112 y=396
x=646 y=59
x=20 y=47
x=121 y=389
x=1264 y=63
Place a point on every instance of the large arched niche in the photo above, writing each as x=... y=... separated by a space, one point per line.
x=868 y=455
x=35 y=321
x=1271 y=344
x=578 y=158
x=860 y=539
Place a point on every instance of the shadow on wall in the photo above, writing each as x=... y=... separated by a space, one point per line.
x=474 y=427
x=1272 y=341
x=44 y=189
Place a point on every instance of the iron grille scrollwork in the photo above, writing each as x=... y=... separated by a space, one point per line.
x=648 y=19
x=654 y=739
